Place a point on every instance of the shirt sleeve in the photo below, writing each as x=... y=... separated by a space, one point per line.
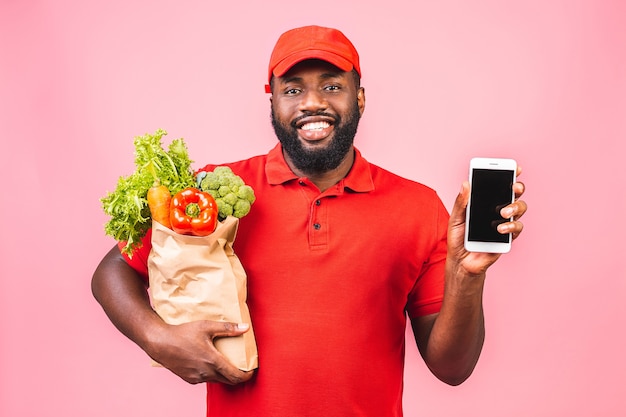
x=139 y=259
x=426 y=296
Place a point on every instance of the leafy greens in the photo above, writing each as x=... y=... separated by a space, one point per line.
x=127 y=205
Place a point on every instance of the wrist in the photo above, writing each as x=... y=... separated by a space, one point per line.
x=460 y=279
x=150 y=332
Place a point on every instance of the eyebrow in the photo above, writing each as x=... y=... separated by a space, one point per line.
x=324 y=76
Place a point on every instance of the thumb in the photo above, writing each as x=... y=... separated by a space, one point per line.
x=218 y=329
x=457 y=217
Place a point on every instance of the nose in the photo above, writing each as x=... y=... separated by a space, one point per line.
x=312 y=101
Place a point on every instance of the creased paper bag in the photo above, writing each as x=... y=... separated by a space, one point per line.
x=201 y=278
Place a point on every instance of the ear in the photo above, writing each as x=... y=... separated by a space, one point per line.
x=360 y=97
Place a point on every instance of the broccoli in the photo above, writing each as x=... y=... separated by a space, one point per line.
x=232 y=195
x=241 y=208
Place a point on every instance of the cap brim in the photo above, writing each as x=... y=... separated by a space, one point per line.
x=285 y=65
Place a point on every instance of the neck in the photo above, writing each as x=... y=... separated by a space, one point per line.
x=325 y=180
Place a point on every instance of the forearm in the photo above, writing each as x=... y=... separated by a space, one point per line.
x=451 y=341
x=186 y=349
x=124 y=298
x=456 y=339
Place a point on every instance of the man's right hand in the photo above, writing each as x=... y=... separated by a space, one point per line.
x=188 y=350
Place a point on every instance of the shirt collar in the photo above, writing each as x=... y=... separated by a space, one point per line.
x=359 y=179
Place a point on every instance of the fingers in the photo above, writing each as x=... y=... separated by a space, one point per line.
x=220 y=374
x=519 y=189
x=189 y=351
x=515 y=210
x=515 y=228
x=229 y=375
x=224 y=371
x=220 y=329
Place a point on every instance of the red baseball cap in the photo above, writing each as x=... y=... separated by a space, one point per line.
x=312 y=42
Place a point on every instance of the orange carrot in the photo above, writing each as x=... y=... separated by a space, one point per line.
x=159 y=198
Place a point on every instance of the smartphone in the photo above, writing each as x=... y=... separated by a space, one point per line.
x=491 y=189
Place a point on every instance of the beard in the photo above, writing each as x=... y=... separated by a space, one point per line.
x=318 y=161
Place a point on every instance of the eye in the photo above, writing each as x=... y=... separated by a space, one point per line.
x=332 y=87
x=291 y=91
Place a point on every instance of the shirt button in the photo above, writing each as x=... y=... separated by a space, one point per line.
x=317 y=226
x=301 y=182
x=318 y=202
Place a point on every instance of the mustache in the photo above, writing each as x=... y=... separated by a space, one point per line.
x=336 y=119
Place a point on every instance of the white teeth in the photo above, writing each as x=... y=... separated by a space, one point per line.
x=315 y=126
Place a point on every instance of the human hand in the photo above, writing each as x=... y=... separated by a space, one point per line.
x=188 y=351
x=477 y=263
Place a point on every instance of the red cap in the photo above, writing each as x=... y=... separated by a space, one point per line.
x=312 y=42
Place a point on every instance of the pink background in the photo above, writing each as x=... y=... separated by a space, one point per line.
x=543 y=82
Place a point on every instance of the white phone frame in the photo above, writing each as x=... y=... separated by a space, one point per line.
x=490 y=164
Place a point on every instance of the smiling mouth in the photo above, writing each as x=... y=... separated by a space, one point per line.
x=315 y=126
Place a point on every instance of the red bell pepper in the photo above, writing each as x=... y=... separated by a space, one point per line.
x=193 y=212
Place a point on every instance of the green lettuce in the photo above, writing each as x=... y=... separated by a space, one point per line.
x=127 y=206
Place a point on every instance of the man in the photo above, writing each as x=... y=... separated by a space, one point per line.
x=337 y=251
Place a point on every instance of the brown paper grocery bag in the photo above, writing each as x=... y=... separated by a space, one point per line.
x=201 y=278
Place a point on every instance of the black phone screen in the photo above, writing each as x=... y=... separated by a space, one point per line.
x=491 y=190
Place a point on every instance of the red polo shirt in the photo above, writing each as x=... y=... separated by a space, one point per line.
x=331 y=278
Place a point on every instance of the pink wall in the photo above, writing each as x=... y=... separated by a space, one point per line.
x=542 y=82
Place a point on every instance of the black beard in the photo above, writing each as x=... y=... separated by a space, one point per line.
x=312 y=162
